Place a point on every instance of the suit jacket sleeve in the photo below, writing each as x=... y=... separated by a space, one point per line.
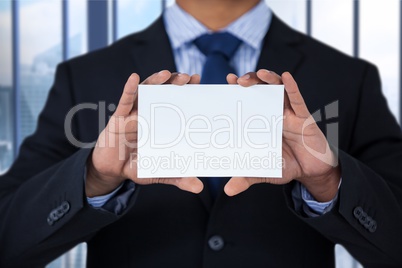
x=368 y=217
x=47 y=177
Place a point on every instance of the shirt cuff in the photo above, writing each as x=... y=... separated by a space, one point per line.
x=115 y=202
x=310 y=206
x=99 y=201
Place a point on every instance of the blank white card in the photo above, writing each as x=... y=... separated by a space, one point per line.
x=210 y=131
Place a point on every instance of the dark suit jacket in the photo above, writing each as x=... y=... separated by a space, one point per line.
x=166 y=227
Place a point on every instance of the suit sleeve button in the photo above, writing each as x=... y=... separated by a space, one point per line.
x=363 y=218
x=373 y=226
x=357 y=212
x=65 y=206
x=54 y=215
x=50 y=221
x=368 y=222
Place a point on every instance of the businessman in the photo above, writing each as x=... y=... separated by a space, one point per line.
x=63 y=191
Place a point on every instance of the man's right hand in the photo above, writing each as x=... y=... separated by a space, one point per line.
x=112 y=159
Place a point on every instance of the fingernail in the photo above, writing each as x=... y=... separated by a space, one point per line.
x=247 y=76
x=160 y=72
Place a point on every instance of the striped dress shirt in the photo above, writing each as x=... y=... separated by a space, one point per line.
x=183 y=29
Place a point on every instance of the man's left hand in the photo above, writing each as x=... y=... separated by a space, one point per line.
x=319 y=172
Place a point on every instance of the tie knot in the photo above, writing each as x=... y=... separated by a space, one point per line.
x=222 y=43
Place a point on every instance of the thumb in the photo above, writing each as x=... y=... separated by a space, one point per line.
x=236 y=185
x=128 y=96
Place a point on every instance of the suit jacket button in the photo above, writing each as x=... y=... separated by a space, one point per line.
x=216 y=243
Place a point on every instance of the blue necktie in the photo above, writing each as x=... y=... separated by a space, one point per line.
x=218 y=49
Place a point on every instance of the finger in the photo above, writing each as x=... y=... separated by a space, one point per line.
x=249 y=79
x=269 y=77
x=128 y=96
x=157 y=78
x=286 y=102
x=178 y=79
x=122 y=124
x=195 y=79
x=192 y=184
x=129 y=124
x=236 y=185
x=232 y=79
x=296 y=100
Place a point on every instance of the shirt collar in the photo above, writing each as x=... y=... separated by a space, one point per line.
x=251 y=27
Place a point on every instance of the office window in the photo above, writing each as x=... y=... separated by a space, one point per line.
x=293 y=12
x=77 y=42
x=6 y=139
x=40 y=51
x=133 y=16
x=379 y=43
x=6 y=127
x=6 y=44
x=332 y=22
x=49 y=31
x=6 y=90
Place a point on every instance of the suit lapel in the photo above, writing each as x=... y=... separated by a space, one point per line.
x=153 y=51
x=278 y=53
